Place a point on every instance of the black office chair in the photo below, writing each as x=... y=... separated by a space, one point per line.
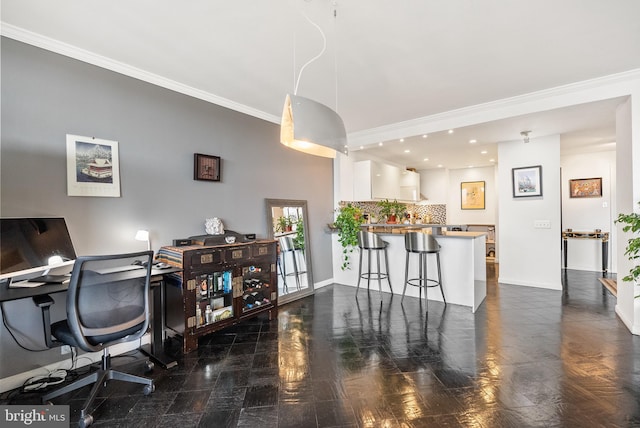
x=107 y=303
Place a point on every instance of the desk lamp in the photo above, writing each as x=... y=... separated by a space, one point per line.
x=143 y=235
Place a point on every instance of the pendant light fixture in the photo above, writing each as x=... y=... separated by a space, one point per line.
x=309 y=126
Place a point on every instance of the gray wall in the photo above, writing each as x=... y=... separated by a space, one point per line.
x=46 y=96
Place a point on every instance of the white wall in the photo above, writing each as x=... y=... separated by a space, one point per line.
x=434 y=185
x=530 y=256
x=455 y=214
x=628 y=195
x=587 y=214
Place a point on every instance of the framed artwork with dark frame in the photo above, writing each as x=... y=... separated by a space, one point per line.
x=472 y=195
x=585 y=188
x=527 y=181
x=206 y=167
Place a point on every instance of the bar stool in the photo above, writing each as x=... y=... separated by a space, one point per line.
x=422 y=244
x=287 y=246
x=370 y=242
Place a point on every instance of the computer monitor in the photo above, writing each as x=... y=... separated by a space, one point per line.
x=31 y=247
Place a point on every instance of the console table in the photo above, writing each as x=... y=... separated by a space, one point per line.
x=602 y=236
x=218 y=286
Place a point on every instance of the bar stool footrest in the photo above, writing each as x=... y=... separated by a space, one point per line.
x=428 y=283
x=374 y=275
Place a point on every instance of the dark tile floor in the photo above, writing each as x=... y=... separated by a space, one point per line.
x=527 y=358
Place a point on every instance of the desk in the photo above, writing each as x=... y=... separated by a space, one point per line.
x=603 y=236
x=154 y=349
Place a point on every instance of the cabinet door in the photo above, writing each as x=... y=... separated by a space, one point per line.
x=362 y=181
x=409 y=186
x=385 y=181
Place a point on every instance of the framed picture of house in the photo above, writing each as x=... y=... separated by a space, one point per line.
x=585 y=188
x=527 y=181
x=472 y=195
x=206 y=167
x=93 y=167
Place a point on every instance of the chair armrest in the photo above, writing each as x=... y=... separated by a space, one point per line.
x=44 y=302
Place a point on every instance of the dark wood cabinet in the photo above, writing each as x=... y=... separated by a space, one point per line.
x=219 y=286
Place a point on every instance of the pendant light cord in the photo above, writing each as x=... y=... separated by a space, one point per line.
x=324 y=48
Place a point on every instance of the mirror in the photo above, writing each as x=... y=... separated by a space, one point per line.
x=287 y=223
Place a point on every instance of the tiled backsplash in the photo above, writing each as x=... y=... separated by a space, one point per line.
x=434 y=214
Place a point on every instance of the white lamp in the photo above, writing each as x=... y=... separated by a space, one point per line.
x=311 y=127
x=143 y=235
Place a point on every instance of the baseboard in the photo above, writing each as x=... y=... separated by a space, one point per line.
x=17 y=380
x=321 y=284
x=514 y=281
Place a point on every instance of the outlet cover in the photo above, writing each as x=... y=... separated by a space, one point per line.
x=542 y=224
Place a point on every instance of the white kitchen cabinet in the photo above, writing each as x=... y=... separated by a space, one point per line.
x=409 y=186
x=374 y=180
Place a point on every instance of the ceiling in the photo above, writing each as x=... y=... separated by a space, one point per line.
x=385 y=62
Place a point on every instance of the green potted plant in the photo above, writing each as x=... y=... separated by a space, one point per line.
x=298 y=240
x=632 y=251
x=348 y=223
x=283 y=224
x=393 y=211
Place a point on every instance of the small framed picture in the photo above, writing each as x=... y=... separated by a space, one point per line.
x=585 y=188
x=472 y=195
x=527 y=181
x=206 y=167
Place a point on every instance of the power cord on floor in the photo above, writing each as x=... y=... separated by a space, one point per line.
x=36 y=383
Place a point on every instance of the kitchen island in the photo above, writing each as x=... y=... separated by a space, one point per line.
x=462 y=262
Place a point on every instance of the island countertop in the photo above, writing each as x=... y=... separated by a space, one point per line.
x=401 y=229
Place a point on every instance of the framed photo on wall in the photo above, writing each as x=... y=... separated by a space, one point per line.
x=527 y=181
x=585 y=188
x=472 y=195
x=206 y=167
x=93 y=167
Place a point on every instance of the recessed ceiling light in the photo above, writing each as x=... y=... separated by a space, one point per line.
x=470 y=166
x=484 y=152
x=407 y=151
x=402 y=140
x=451 y=131
x=361 y=147
x=425 y=159
x=424 y=135
x=473 y=141
x=440 y=166
x=492 y=160
x=380 y=143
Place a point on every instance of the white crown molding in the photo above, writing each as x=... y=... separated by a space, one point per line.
x=38 y=40
x=561 y=96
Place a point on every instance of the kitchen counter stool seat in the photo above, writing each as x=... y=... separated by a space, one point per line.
x=370 y=243
x=423 y=245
